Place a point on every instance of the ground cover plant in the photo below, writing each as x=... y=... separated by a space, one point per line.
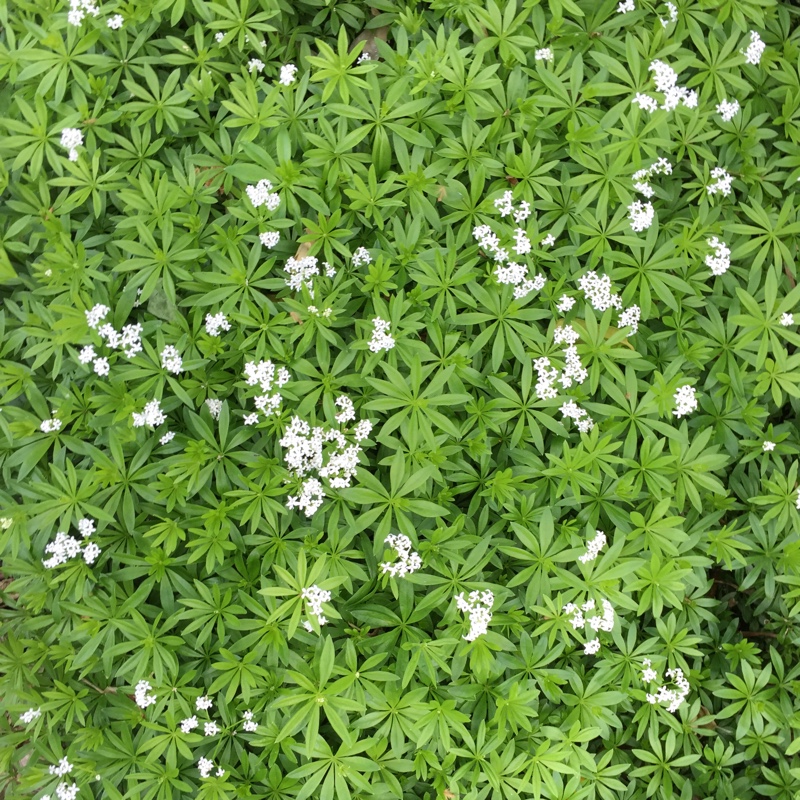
x=399 y=399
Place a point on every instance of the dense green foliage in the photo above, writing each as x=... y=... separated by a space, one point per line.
x=197 y=587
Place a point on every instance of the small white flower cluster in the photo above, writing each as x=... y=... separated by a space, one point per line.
x=672 y=11
x=189 y=724
x=478 y=606
x=598 y=291
x=78 y=9
x=301 y=272
x=72 y=139
x=722 y=182
x=361 y=257
x=629 y=318
x=640 y=215
x=206 y=765
x=674 y=697
x=64 y=547
x=543 y=54
x=304 y=453
x=720 y=261
x=152 y=416
x=216 y=323
x=203 y=703
x=573 y=368
x=381 y=340
x=407 y=560
x=797 y=500
x=565 y=303
x=755 y=49
x=666 y=80
x=314 y=311
x=596 y=622
x=593 y=548
x=5 y=523
x=214 y=407
x=348 y=411
x=315 y=597
x=30 y=715
x=269 y=239
x=129 y=339
x=167 y=437
x=255 y=65
x=786 y=320
x=62 y=768
x=625 y=6
x=210 y=728
x=365 y=56
x=263 y=374
x=115 y=22
x=728 y=110
x=171 y=360
x=262 y=195
x=548 y=240
x=583 y=422
x=64 y=792
x=249 y=724
x=141 y=696
x=685 y=401
x=288 y=74
x=50 y=425
x=768 y=446
x=642 y=177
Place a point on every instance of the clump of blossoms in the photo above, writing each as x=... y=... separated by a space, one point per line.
x=478 y=606
x=206 y=765
x=641 y=214
x=216 y=323
x=674 y=697
x=141 y=696
x=728 y=110
x=315 y=597
x=722 y=182
x=301 y=272
x=249 y=724
x=30 y=715
x=71 y=140
x=583 y=422
x=720 y=261
x=203 y=703
x=407 y=560
x=78 y=9
x=625 y=6
x=262 y=195
x=288 y=74
x=361 y=257
x=214 y=407
x=171 y=360
x=543 y=54
x=381 y=340
x=598 y=291
x=593 y=548
x=768 y=446
x=597 y=622
x=685 y=401
x=115 y=22
x=65 y=547
x=672 y=11
x=129 y=339
x=666 y=80
x=255 y=65
x=50 y=425
x=269 y=380
x=152 y=416
x=269 y=239
x=755 y=49
x=573 y=368
x=189 y=724
x=786 y=320
x=629 y=318
x=797 y=500
x=62 y=768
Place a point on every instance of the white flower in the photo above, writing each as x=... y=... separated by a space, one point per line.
x=262 y=195
x=115 y=22
x=625 y=6
x=203 y=703
x=96 y=315
x=330 y=272
x=205 y=766
x=672 y=10
x=30 y=715
x=101 y=366
x=216 y=323
x=142 y=698
x=301 y=272
x=90 y=553
x=593 y=548
x=62 y=549
x=523 y=212
x=315 y=597
x=685 y=401
x=787 y=319
x=167 y=437
x=72 y=139
x=255 y=64
x=214 y=407
x=381 y=340
x=288 y=74
x=362 y=430
x=250 y=419
x=565 y=303
x=645 y=102
x=86 y=527
x=269 y=238
x=478 y=606
x=50 y=425
x=87 y=354
x=171 y=360
x=522 y=244
x=720 y=261
x=592 y=647
x=189 y=724
x=210 y=729
x=582 y=420
x=640 y=215
x=348 y=411
x=723 y=182
x=629 y=318
x=505 y=203
x=548 y=240
x=797 y=501
x=407 y=561
x=66 y=792
x=310 y=498
x=755 y=49
x=219 y=36
x=361 y=256
x=728 y=110
x=62 y=768
x=598 y=292
x=249 y=724
x=151 y=416
x=220 y=772
x=768 y=446
x=543 y=54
